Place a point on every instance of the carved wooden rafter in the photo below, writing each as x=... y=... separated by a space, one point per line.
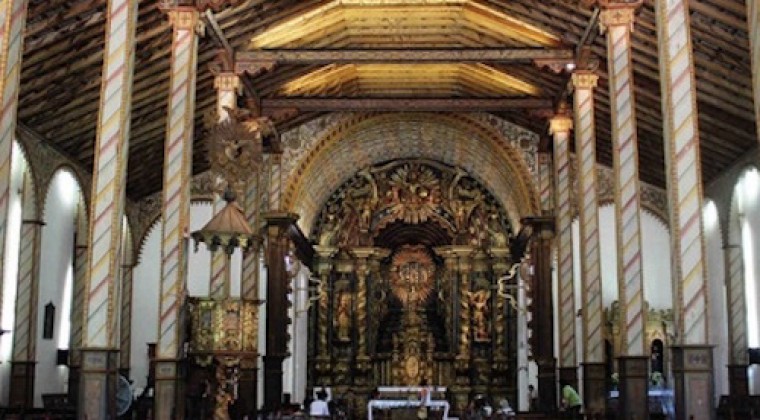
x=62 y=64
x=406 y=104
x=478 y=55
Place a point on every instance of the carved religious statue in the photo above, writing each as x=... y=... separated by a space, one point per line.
x=343 y=316
x=480 y=312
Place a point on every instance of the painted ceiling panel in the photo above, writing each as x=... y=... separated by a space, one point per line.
x=404 y=80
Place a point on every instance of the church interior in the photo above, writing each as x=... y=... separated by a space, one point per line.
x=420 y=208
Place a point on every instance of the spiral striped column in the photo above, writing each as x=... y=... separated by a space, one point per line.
x=24 y=336
x=546 y=182
x=463 y=255
x=560 y=127
x=275 y=181
x=125 y=331
x=683 y=169
x=227 y=88
x=249 y=283
x=12 y=24
x=24 y=328
x=362 y=263
x=219 y=284
x=619 y=22
x=79 y=291
x=109 y=178
x=226 y=85
x=737 y=306
x=175 y=214
x=584 y=83
x=107 y=205
x=753 y=18
x=177 y=172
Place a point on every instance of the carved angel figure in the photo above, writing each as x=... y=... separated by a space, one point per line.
x=480 y=312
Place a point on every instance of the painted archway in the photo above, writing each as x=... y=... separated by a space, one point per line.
x=363 y=140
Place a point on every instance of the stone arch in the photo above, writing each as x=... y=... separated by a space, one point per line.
x=152 y=222
x=457 y=140
x=646 y=207
x=34 y=203
x=45 y=189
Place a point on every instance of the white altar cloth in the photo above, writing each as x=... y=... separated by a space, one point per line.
x=388 y=404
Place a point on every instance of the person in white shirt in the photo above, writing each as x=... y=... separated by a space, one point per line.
x=319 y=407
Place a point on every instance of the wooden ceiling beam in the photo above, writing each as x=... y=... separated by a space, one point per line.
x=239 y=30
x=148 y=131
x=218 y=35
x=243 y=59
x=713 y=13
x=405 y=104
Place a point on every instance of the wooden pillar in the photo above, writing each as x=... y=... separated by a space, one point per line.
x=278 y=244
x=546 y=182
x=25 y=324
x=560 y=126
x=227 y=85
x=125 y=335
x=77 y=304
x=594 y=370
x=322 y=363
x=13 y=21
x=362 y=266
x=684 y=181
x=100 y=349
x=617 y=19
x=738 y=357
x=175 y=212
x=753 y=20
x=249 y=283
x=542 y=340
x=463 y=255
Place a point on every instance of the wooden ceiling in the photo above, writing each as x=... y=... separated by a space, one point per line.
x=62 y=64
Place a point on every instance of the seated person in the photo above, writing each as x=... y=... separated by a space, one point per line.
x=319 y=407
x=505 y=410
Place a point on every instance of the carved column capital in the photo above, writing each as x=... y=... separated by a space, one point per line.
x=560 y=124
x=183 y=17
x=584 y=79
x=227 y=81
x=617 y=13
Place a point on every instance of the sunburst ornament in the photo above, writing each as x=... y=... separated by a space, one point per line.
x=236 y=148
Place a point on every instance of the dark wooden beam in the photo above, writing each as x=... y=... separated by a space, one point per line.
x=405 y=104
x=218 y=34
x=244 y=59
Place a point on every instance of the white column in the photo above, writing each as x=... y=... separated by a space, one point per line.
x=618 y=22
x=175 y=214
x=560 y=127
x=107 y=210
x=12 y=25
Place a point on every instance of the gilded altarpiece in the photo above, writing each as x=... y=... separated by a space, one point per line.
x=410 y=253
